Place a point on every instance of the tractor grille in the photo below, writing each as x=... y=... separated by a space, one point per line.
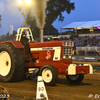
x=68 y=43
x=67 y=52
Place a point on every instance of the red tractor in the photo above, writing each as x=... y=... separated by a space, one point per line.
x=51 y=58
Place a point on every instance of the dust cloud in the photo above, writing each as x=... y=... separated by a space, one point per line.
x=37 y=9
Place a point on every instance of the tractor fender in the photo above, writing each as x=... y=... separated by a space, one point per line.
x=16 y=44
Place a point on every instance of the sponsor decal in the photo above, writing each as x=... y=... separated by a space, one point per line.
x=85 y=58
x=48 y=55
x=73 y=58
x=88 y=58
x=80 y=57
x=56 y=57
x=83 y=70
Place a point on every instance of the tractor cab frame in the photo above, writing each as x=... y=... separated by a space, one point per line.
x=28 y=34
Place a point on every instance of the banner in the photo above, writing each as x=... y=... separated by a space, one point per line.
x=86 y=58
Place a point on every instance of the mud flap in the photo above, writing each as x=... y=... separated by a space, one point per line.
x=90 y=68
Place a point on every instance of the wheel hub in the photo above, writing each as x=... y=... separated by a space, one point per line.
x=47 y=75
x=7 y=63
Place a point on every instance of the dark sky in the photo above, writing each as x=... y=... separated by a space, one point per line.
x=85 y=10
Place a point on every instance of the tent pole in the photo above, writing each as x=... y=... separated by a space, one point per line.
x=76 y=31
x=60 y=30
x=93 y=30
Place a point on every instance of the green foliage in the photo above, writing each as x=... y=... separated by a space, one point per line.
x=53 y=11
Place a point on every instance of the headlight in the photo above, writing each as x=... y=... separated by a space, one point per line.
x=64 y=57
x=68 y=43
x=70 y=57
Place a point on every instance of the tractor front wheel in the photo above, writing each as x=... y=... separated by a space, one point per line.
x=49 y=74
x=75 y=79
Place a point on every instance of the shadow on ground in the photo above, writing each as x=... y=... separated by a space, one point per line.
x=64 y=81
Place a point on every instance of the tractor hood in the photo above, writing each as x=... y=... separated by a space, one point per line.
x=51 y=44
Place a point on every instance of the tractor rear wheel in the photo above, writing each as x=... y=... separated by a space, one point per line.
x=75 y=79
x=49 y=74
x=11 y=63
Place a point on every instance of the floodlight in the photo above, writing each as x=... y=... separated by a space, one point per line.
x=27 y=1
x=20 y=2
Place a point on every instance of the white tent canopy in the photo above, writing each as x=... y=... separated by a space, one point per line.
x=82 y=25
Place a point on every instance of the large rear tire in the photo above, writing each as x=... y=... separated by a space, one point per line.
x=11 y=63
x=75 y=79
x=49 y=74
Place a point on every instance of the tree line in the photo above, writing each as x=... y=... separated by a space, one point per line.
x=53 y=12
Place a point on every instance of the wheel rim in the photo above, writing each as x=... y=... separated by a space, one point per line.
x=5 y=63
x=74 y=77
x=47 y=75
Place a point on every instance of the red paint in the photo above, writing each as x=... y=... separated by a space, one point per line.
x=61 y=65
x=35 y=55
x=40 y=57
x=35 y=45
x=46 y=44
x=17 y=44
x=82 y=69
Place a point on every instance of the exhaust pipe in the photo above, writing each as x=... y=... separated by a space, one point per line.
x=41 y=35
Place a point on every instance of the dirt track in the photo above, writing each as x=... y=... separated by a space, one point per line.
x=26 y=90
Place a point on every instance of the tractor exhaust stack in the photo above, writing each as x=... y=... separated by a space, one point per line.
x=41 y=35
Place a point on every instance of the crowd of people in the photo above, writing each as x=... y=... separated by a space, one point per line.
x=87 y=53
x=86 y=41
x=79 y=41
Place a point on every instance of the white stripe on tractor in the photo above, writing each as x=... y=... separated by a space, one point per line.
x=57 y=52
x=90 y=68
x=34 y=49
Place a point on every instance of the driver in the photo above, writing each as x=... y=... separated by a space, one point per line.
x=25 y=41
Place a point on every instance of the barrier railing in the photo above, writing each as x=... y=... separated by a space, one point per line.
x=97 y=49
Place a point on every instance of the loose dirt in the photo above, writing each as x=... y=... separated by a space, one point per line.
x=26 y=90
